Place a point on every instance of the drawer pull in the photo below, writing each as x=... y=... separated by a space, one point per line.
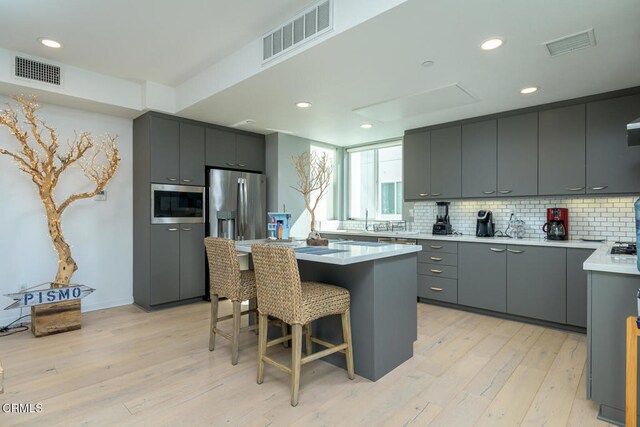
x=229 y=164
x=575 y=188
x=600 y=187
x=497 y=250
x=513 y=251
x=489 y=192
x=423 y=194
x=187 y=180
x=435 y=271
x=435 y=258
x=172 y=179
x=241 y=165
x=504 y=191
x=436 y=194
x=436 y=247
x=436 y=289
x=186 y=228
x=172 y=229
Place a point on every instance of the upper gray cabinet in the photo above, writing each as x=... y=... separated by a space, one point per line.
x=416 y=166
x=518 y=155
x=479 y=159
x=561 y=151
x=445 y=159
x=612 y=166
x=236 y=151
x=191 y=154
x=164 y=138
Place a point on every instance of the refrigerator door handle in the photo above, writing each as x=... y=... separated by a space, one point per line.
x=245 y=212
x=242 y=208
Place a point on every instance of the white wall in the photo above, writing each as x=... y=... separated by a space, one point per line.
x=100 y=233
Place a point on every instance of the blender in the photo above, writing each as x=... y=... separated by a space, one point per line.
x=442 y=225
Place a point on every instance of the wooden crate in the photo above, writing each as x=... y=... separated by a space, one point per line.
x=49 y=319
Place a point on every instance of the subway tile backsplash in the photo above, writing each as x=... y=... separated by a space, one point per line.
x=603 y=217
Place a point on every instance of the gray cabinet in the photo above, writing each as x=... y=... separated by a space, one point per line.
x=192 y=261
x=479 y=159
x=437 y=288
x=164 y=136
x=445 y=160
x=561 y=149
x=536 y=282
x=232 y=150
x=612 y=166
x=482 y=276
x=164 y=266
x=250 y=152
x=416 y=166
x=577 y=287
x=191 y=154
x=518 y=155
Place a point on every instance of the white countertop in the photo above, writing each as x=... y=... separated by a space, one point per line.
x=350 y=254
x=602 y=260
x=579 y=244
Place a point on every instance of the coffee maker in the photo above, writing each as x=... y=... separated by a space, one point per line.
x=484 y=224
x=442 y=225
x=557 y=225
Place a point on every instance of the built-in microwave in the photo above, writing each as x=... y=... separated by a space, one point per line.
x=172 y=204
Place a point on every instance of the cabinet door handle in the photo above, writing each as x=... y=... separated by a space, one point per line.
x=436 y=289
x=575 y=188
x=241 y=165
x=600 y=187
x=229 y=164
x=489 y=192
x=172 y=179
x=423 y=194
x=435 y=271
x=187 y=180
x=435 y=258
x=436 y=194
x=504 y=191
x=186 y=228
x=513 y=251
x=436 y=247
x=172 y=229
x=497 y=250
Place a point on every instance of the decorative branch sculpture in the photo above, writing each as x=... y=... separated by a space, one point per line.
x=315 y=173
x=38 y=157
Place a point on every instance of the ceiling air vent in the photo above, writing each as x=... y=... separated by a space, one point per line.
x=571 y=43
x=311 y=23
x=35 y=70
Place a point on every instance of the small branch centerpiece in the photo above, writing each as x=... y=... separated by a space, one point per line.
x=315 y=173
x=38 y=156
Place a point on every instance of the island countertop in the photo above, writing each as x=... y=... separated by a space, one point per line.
x=342 y=252
x=602 y=260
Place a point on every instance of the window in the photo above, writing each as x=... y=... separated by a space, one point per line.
x=375 y=181
x=325 y=209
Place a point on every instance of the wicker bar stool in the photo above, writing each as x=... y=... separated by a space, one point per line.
x=281 y=294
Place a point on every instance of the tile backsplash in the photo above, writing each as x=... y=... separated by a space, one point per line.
x=604 y=217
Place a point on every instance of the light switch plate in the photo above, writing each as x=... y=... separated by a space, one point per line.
x=101 y=196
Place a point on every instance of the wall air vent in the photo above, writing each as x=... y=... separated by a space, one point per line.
x=311 y=23
x=35 y=70
x=571 y=43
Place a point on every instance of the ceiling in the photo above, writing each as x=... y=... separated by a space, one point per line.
x=159 y=41
x=369 y=73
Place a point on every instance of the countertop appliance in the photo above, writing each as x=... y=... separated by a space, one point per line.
x=177 y=204
x=442 y=225
x=621 y=248
x=557 y=225
x=278 y=227
x=237 y=205
x=484 y=224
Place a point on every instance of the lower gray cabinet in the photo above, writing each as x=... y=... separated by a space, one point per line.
x=164 y=264
x=577 y=287
x=482 y=276
x=438 y=288
x=192 y=261
x=536 y=282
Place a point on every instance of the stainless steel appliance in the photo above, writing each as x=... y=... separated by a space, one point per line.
x=237 y=205
x=484 y=224
x=622 y=248
x=173 y=204
x=442 y=225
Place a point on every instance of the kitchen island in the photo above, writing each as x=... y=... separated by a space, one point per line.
x=382 y=280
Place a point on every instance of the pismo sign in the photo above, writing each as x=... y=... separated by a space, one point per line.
x=47 y=296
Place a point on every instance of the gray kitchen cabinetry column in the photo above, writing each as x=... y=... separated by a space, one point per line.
x=518 y=155
x=192 y=261
x=446 y=162
x=250 y=152
x=536 y=282
x=612 y=166
x=220 y=148
x=191 y=154
x=416 y=166
x=479 y=159
x=164 y=137
x=561 y=151
x=482 y=276
x=164 y=264
x=577 y=287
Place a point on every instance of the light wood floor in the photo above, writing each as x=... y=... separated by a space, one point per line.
x=127 y=367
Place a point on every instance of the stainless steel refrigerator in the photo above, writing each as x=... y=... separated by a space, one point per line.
x=237 y=205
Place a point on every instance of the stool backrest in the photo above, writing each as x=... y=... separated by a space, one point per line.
x=224 y=267
x=277 y=282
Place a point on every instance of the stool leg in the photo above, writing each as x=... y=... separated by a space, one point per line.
x=283 y=328
x=346 y=332
x=255 y=313
x=214 y=321
x=263 y=324
x=307 y=333
x=296 y=355
x=235 y=334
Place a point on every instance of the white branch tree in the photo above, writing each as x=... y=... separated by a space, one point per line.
x=315 y=173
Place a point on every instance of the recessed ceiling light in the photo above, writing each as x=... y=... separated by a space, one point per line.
x=303 y=104
x=492 y=43
x=366 y=126
x=528 y=90
x=50 y=43
x=426 y=64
